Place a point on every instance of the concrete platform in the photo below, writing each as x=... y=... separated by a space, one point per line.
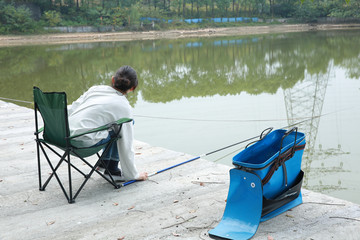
x=183 y=203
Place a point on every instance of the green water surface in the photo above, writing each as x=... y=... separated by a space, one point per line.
x=201 y=94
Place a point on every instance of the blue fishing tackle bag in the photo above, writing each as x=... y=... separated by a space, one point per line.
x=265 y=182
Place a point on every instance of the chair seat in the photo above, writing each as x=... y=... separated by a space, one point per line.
x=76 y=151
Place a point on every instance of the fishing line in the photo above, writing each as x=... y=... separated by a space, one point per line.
x=285 y=127
x=238 y=149
x=215 y=151
x=14 y=100
x=219 y=120
x=226 y=155
x=218 y=150
x=246 y=120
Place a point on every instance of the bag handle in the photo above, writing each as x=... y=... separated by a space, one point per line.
x=283 y=157
x=286 y=134
x=262 y=136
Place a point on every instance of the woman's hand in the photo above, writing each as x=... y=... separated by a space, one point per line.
x=143 y=176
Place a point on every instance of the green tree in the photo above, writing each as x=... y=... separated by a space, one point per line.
x=223 y=6
x=341 y=10
x=15 y=19
x=52 y=18
x=308 y=11
x=134 y=16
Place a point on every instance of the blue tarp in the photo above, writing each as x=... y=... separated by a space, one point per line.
x=217 y=20
x=199 y=20
x=194 y=44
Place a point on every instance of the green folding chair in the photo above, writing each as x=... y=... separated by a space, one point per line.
x=55 y=137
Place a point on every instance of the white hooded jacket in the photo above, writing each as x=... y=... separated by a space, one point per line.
x=98 y=106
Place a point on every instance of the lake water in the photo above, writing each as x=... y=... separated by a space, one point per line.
x=201 y=94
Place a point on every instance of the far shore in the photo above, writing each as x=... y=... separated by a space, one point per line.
x=66 y=38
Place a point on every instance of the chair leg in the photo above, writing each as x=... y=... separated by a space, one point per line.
x=83 y=184
x=66 y=158
x=77 y=169
x=42 y=188
x=71 y=199
x=38 y=162
x=93 y=169
x=111 y=180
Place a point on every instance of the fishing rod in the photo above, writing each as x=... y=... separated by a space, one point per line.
x=267 y=131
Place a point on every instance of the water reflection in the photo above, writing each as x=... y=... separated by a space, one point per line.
x=306 y=98
x=177 y=69
x=298 y=64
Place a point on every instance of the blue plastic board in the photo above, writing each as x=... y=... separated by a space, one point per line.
x=243 y=207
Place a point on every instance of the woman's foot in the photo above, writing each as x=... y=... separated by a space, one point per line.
x=116 y=175
x=101 y=166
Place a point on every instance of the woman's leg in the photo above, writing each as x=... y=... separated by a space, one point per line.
x=112 y=153
x=111 y=160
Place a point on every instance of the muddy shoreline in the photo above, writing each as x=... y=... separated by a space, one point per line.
x=64 y=38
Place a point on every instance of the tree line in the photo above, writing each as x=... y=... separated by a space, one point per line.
x=27 y=16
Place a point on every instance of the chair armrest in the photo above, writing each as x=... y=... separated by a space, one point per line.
x=104 y=127
x=39 y=131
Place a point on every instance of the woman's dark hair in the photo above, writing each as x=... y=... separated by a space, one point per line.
x=125 y=79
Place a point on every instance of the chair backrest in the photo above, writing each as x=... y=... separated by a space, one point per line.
x=53 y=109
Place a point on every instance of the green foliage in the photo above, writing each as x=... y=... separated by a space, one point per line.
x=92 y=15
x=117 y=17
x=309 y=11
x=223 y=6
x=127 y=13
x=346 y=10
x=15 y=19
x=134 y=15
x=52 y=18
x=285 y=9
